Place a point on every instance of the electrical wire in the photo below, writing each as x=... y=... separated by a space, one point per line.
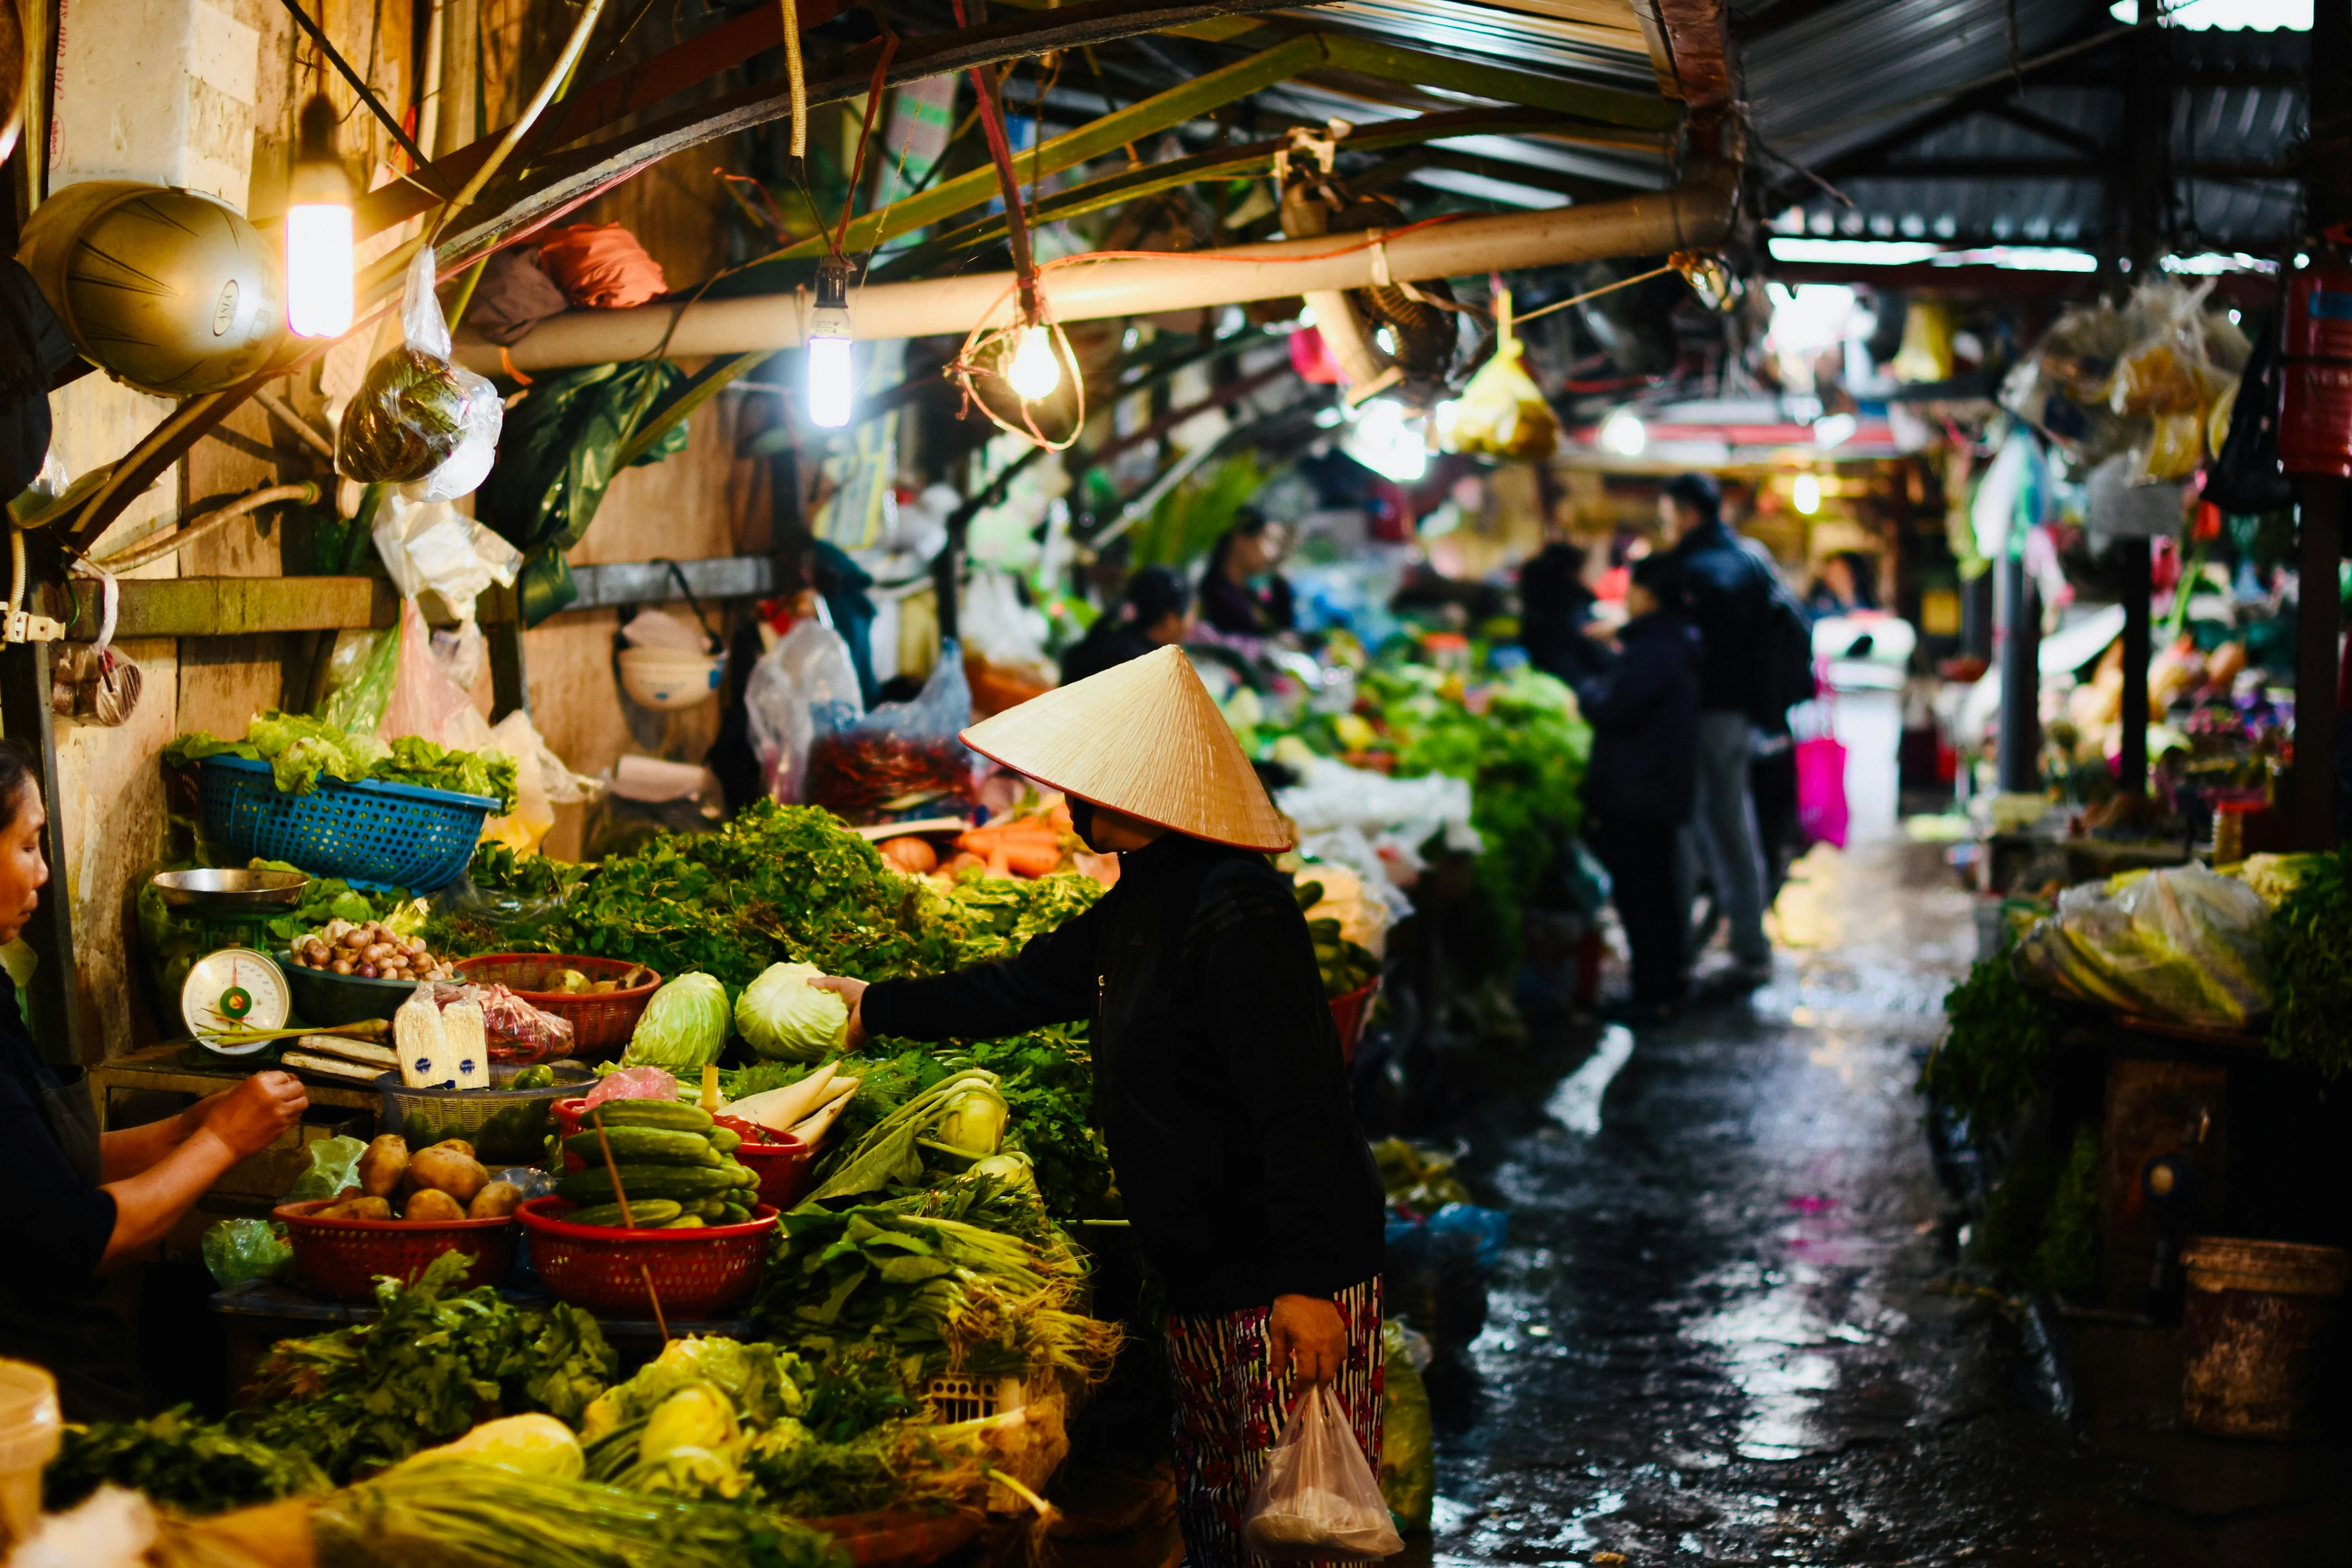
x=557 y=76
x=342 y=67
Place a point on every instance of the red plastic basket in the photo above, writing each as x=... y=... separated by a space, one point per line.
x=601 y=1025
x=898 y=1538
x=344 y=1258
x=696 y=1273
x=1349 y=1013
x=784 y=1165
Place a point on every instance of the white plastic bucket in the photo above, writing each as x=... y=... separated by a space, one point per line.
x=31 y=1424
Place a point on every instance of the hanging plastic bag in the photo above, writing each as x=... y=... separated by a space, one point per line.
x=809 y=670
x=902 y=760
x=1502 y=413
x=95 y=683
x=420 y=419
x=430 y=544
x=424 y=701
x=1319 y=1499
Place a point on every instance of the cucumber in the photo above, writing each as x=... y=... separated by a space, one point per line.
x=726 y=1139
x=688 y=1221
x=646 y=1146
x=732 y=1214
x=683 y=1183
x=672 y=1113
x=648 y=1213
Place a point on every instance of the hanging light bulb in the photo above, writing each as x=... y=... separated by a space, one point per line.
x=1623 y=432
x=1807 y=494
x=319 y=268
x=829 y=379
x=1036 y=369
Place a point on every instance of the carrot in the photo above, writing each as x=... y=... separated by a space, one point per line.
x=1039 y=862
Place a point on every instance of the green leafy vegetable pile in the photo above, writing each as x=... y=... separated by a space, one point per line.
x=300 y=751
x=1990 y=1066
x=967 y=1277
x=434 y=1365
x=179 y=1459
x=2310 y=953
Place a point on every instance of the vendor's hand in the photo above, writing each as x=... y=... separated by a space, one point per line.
x=1306 y=1334
x=249 y=1118
x=853 y=992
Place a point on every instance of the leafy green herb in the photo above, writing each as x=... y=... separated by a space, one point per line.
x=2310 y=943
x=432 y=1366
x=177 y=1459
x=1990 y=1066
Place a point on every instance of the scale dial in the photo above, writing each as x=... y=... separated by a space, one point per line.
x=235 y=988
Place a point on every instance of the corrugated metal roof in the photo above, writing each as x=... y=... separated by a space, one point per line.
x=2238 y=115
x=1598 y=38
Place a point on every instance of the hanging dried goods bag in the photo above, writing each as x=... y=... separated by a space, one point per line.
x=419 y=420
x=1502 y=413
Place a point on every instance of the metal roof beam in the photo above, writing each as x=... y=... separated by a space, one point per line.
x=2050 y=130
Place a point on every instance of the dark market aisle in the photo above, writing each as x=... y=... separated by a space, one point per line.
x=1725 y=1331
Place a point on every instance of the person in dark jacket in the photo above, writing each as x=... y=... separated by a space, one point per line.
x=1219 y=1083
x=1150 y=615
x=1728 y=586
x=1555 y=606
x=1231 y=599
x=1642 y=780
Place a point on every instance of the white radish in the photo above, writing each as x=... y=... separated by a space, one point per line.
x=777 y=1109
x=812 y=1130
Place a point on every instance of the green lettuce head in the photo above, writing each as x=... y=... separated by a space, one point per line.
x=784 y=1018
x=684 y=1026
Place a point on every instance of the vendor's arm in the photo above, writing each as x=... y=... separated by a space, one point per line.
x=142 y=1209
x=1052 y=979
x=131 y=1150
x=1324 y=1219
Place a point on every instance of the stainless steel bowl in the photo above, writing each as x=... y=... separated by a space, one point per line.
x=219 y=887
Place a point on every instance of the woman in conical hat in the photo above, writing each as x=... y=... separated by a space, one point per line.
x=1218 y=1081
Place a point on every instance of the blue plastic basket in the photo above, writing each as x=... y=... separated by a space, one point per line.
x=370 y=835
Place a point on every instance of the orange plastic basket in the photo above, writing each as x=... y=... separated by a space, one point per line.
x=601 y=1025
x=344 y=1258
x=696 y=1273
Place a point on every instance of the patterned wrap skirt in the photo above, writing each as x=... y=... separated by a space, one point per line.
x=1231 y=1405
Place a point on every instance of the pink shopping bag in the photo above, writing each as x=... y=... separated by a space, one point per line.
x=1820 y=790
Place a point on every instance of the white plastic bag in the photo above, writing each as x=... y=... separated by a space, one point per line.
x=419 y=420
x=430 y=544
x=809 y=665
x=1319 y=1499
x=2183 y=943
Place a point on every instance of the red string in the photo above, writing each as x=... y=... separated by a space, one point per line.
x=866 y=133
x=1000 y=153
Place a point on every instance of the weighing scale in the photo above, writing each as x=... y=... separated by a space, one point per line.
x=238 y=985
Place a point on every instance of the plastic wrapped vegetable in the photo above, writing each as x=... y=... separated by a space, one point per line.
x=418 y=418
x=784 y=1018
x=236 y=1250
x=2184 y=943
x=1502 y=413
x=683 y=1028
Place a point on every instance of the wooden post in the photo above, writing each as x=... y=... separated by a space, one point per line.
x=2311 y=800
x=2017 y=639
x=2131 y=769
x=54 y=1002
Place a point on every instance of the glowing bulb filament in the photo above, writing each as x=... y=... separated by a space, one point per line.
x=1036 y=369
x=828 y=382
x=319 y=270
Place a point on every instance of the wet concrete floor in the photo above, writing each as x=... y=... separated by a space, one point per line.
x=1727 y=1330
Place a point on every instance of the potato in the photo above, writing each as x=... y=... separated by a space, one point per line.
x=383 y=1165
x=494 y=1202
x=456 y=1146
x=358 y=1208
x=442 y=1169
x=426 y=1202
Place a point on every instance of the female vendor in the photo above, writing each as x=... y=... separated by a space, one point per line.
x=1218 y=1081
x=83 y=1203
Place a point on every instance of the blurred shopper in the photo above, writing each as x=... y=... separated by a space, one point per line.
x=1845 y=581
x=1243 y=595
x=1643 y=779
x=1728 y=585
x=1555 y=606
x=1150 y=615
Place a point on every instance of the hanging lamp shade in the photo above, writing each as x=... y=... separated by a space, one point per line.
x=1145 y=738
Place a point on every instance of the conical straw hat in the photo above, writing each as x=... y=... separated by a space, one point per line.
x=1145 y=738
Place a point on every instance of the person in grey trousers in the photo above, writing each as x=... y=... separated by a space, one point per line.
x=1727 y=582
